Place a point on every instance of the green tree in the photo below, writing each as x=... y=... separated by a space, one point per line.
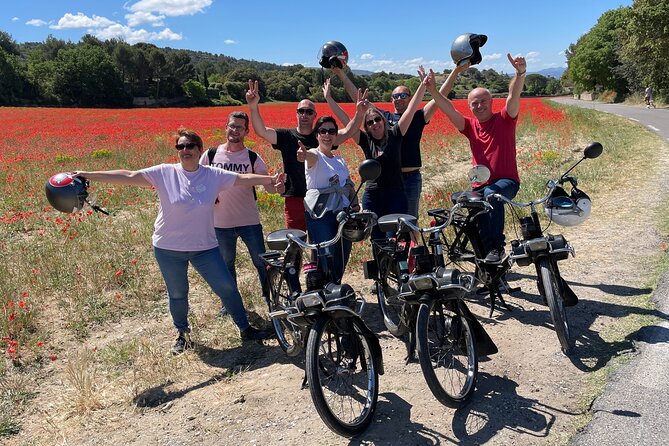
x=195 y=91
x=85 y=75
x=12 y=78
x=645 y=46
x=594 y=59
x=535 y=84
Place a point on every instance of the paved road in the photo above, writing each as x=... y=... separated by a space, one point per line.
x=634 y=408
x=656 y=119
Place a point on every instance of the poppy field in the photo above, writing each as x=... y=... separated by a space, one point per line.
x=67 y=275
x=37 y=240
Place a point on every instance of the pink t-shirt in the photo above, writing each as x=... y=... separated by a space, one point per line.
x=493 y=144
x=185 y=220
x=236 y=206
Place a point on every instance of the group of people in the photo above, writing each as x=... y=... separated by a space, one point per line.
x=207 y=199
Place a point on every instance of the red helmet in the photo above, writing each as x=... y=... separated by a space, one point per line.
x=66 y=192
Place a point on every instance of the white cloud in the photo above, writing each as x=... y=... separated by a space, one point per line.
x=171 y=8
x=36 y=22
x=133 y=36
x=139 y=17
x=230 y=42
x=15 y=19
x=80 y=20
x=493 y=56
x=367 y=56
x=532 y=55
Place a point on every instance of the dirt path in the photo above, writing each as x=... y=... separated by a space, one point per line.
x=528 y=393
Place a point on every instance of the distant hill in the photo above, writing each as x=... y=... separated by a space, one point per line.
x=362 y=72
x=553 y=72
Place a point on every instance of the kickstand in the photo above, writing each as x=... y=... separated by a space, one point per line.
x=411 y=349
x=305 y=384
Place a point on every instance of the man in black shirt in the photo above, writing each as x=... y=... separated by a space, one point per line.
x=286 y=140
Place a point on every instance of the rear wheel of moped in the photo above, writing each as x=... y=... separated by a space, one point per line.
x=388 y=289
x=552 y=291
x=343 y=378
x=287 y=333
x=447 y=353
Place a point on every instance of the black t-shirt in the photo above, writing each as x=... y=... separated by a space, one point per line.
x=286 y=142
x=411 y=141
x=388 y=155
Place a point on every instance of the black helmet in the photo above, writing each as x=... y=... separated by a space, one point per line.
x=66 y=192
x=466 y=48
x=359 y=226
x=333 y=54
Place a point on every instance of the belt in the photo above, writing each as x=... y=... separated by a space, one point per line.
x=411 y=171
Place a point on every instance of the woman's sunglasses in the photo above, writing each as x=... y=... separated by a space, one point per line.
x=371 y=122
x=189 y=146
x=323 y=131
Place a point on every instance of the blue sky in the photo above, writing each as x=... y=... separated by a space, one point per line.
x=390 y=35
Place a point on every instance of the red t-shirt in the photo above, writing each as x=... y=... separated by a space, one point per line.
x=493 y=145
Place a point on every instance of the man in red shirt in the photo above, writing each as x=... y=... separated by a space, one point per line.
x=492 y=138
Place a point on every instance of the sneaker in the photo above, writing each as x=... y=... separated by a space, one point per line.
x=495 y=255
x=253 y=334
x=223 y=312
x=182 y=344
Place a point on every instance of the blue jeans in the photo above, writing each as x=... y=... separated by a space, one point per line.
x=324 y=229
x=211 y=266
x=413 y=186
x=491 y=224
x=252 y=237
x=384 y=202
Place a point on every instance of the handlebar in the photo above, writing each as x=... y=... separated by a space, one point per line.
x=342 y=221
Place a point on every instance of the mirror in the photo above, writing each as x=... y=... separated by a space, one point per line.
x=593 y=150
x=478 y=174
x=369 y=170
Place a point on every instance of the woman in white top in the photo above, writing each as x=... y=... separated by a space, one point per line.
x=329 y=186
x=184 y=228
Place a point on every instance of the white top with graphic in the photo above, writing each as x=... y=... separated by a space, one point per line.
x=185 y=220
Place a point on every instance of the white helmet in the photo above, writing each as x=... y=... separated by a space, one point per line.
x=568 y=210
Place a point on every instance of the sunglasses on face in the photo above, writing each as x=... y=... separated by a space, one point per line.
x=305 y=111
x=189 y=146
x=400 y=95
x=331 y=131
x=371 y=122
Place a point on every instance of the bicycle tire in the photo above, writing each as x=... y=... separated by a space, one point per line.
x=343 y=379
x=447 y=353
x=279 y=298
x=387 y=290
x=553 y=293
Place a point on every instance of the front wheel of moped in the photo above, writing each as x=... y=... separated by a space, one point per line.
x=552 y=291
x=343 y=378
x=447 y=352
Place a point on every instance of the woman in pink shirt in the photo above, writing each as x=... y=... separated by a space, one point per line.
x=184 y=228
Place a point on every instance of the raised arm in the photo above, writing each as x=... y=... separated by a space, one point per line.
x=127 y=177
x=336 y=109
x=253 y=98
x=348 y=83
x=407 y=116
x=352 y=129
x=516 y=85
x=431 y=107
x=445 y=104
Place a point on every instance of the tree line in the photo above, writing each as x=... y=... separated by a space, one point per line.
x=626 y=51
x=111 y=73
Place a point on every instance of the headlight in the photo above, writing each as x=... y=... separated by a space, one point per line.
x=537 y=244
x=422 y=282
